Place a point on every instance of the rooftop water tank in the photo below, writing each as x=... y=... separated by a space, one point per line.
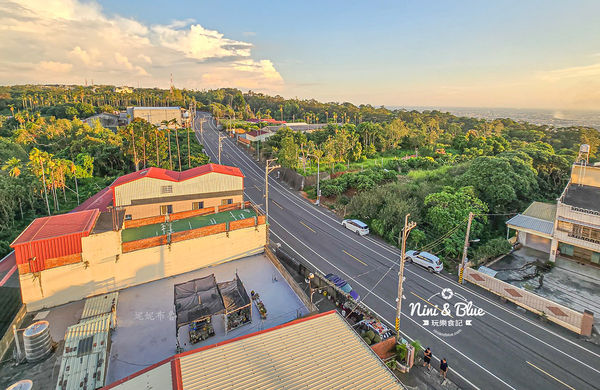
x=24 y=384
x=37 y=341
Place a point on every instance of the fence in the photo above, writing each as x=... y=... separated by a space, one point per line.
x=577 y=322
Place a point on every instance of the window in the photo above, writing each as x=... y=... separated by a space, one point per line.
x=166 y=189
x=565 y=249
x=197 y=205
x=128 y=217
x=226 y=201
x=166 y=209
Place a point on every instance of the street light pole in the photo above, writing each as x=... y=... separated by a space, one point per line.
x=405 y=231
x=220 y=143
x=463 y=263
x=268 y=168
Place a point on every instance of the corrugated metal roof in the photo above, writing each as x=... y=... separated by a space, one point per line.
x=102 y=304
x=535 y=224
x=57 y=226
x=545 y=211
x=101 y=200
x=84 y=359
x=321 y=352
x=165 y=174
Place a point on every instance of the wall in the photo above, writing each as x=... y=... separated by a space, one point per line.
x=148 y=188
x=105 y=268
x=9 y=336
x=588 y=175
x=555 y=312
x=148 y=210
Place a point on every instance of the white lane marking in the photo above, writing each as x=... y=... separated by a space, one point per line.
x=384 y=301
x=453 y=282
x=309 y=210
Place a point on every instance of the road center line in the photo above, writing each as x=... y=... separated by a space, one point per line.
x=429 y=303
x=556 y=379
x=308 y=227
x=360 y=261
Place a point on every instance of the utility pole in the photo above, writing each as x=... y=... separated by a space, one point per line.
x=405 y=231
x=463 y=263
x=268 y=168
x=220 y=145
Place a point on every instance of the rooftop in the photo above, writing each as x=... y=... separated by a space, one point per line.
x=321 y=350
x=543 y=211
x=57 y=226
x=581 y=196
x=146 y=327
x=525 y=222
x=156 y=108
x=180 y=225
x=146 y=333
x=165 y=174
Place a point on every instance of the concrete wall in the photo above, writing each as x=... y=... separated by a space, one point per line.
x=149 y=210
x=561 y=315
x=105 y=268
x=150 y=188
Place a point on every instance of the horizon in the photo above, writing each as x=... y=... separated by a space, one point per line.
x=497 y=55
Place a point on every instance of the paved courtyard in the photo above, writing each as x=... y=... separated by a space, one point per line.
x=568 y=283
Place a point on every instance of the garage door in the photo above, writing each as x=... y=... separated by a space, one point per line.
x=540 y=243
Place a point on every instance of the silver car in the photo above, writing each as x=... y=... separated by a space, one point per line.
x=425 y=259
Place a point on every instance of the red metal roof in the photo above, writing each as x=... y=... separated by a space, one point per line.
x=101 y=200
x=165 y=174
x=55 y=226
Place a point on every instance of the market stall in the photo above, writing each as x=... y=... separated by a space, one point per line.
x=196 y=301
x=238 y=306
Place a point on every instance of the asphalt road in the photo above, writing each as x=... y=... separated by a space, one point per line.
x=501 y=348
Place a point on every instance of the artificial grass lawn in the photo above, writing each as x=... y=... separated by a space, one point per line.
x=159 y=229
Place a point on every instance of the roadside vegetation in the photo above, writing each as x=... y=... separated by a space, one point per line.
x=384 y=164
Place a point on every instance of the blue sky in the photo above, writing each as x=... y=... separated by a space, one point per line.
x=530 y=54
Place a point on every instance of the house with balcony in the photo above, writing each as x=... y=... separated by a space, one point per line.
x=571 y=227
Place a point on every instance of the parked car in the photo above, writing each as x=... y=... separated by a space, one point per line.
x=356 y=226
x=425 y=259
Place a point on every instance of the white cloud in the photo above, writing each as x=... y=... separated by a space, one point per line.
x=585 y=71
x=69 y=40
x=55 y=67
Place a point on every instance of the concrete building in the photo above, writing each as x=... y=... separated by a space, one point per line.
x=123 y=89
x=157 y=115
x=156 y=191
x=571 y=227
x=257 y=135
x=321 y=351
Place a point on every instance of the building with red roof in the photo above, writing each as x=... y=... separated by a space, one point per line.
x=157 y=191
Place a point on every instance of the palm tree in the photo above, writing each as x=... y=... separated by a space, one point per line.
x=174 y=121
x=166 y=123
x=13 y=166
x=37 y=159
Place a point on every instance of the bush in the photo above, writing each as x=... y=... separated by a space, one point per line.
x=491 y=249
x=376 y=339
x=367 y=340
x=370 y=334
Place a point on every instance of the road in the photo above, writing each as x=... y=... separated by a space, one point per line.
x=502 y=348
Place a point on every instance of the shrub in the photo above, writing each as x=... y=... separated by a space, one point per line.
x=376 y=339
x=367 y=340
x=491 y=249
x=370 y=334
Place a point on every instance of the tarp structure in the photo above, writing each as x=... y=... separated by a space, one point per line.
x=238 y=307
x=234 y=295
x=197 y=299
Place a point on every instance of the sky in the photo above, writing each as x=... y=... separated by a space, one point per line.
x=460 y=53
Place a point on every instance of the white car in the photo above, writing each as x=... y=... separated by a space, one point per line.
x=356 y=226
x=425 y=259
